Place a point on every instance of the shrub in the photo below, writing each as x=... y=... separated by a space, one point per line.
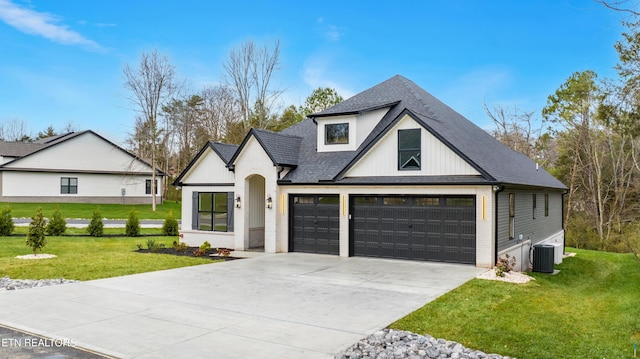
x=132 y=227
x=153 y=245
x=36 y=238
x=505 y=265
x=96 y=227
x=57 y=225
x=199 y=253
x=223 y=252
x=205 y=246
x=180 y=247
x=6 y=222
x=170 y=225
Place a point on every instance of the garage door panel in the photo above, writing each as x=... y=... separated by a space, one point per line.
x=316 y=224
x=410 y=227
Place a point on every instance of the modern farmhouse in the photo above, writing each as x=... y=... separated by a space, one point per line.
x=391 y=173
x=81 y=167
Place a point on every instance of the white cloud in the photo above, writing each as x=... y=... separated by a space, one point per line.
x=333 y=33
x=42 y=24
x=315 y=75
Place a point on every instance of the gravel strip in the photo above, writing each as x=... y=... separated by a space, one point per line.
x=395 y=344
x=7 y=283
x=511 y=277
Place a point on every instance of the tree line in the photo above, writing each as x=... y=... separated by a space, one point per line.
x=589 y=138
x=173 y=122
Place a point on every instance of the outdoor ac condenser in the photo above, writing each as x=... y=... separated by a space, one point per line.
x=543 y=255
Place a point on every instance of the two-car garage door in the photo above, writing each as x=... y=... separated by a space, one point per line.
x=432 y=228
x=435 y=228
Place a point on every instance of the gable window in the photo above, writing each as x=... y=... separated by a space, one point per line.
x=212 y=211
x=512 y=215
x=147 y=186
x=546 y=205
x=409 y=149
x=69 y=185
x=336 y=133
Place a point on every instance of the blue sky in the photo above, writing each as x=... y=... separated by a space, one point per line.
x=61 y=60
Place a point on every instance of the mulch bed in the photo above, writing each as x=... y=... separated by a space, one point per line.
x=211 y=254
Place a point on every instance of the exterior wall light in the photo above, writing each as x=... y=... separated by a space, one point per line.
x=238 y=202
x=269 y=202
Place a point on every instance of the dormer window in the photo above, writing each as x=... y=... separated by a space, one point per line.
x=336 y=133
x=409 y=149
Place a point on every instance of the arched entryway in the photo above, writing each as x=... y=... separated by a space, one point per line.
x=254 y=222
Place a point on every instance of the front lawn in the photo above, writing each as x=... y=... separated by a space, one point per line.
x=85 y=210
x=86 y=258
x=591 y=309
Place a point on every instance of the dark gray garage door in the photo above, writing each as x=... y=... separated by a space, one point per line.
x=315 y=224
x=441 y=228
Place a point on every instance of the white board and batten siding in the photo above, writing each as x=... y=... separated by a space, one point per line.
x=208 y=174
x=436 y=158
x=209 y=169
x=360 y=126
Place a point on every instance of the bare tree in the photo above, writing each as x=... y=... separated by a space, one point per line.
x=14 y=130
x=150 y=84
x=249 y=71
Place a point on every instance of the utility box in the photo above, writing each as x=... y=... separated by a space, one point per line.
x=543 y=256
x=558 y=252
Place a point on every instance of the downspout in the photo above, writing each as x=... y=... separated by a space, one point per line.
x=496 y=190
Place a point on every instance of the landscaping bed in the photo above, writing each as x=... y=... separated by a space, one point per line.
x=190 y=252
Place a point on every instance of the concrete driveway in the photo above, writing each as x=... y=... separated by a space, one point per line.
x=287 y=305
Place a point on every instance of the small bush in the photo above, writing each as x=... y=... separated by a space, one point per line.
x=153 y=245
x=205 y=246
x=170 y=225
x=132 y=227
x=96 y=227
x=223 y=252
x=180 y=247
x=57 y=225
x=199 y=252
x=6 y=222
x=36 y=238
x=505 y=265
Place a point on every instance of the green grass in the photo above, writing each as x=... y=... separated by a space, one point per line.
x=71 y=231
x=591 y=309
x=83 y=210
x=86 y=258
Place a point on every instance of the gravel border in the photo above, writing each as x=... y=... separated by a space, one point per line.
x=392 y=344
x=7 y=283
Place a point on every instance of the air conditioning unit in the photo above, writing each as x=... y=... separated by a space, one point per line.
x=543 y=255
x=558 y=252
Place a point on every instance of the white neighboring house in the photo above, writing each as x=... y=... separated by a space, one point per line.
x=391 y=172
x=79 y=167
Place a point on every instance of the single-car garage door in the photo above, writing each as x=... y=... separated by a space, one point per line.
x=432 y=228
x=315 y=224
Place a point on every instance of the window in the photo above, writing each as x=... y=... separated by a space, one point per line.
x=546 y=205
x=459 y=202
x=512 y=215
x=147 y=186
x=366 y=200
x=212 y=211
x=336 y=133
x=394 y=201
x=69 y=185
x=409 y=149
x=426 y=201
x=534 y=205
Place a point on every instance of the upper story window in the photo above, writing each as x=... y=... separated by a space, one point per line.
x=409 y=149
x=69 y=185
x=336 y=133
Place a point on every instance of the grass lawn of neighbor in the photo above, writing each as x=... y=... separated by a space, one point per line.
x=590 y=309
x=82 y=210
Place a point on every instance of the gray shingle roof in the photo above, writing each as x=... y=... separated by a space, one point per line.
x=225 y=151
x=497 y=163
x=282 y=148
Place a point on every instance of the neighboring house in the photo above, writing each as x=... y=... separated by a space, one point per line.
x=391 y=172
x=81 y=167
